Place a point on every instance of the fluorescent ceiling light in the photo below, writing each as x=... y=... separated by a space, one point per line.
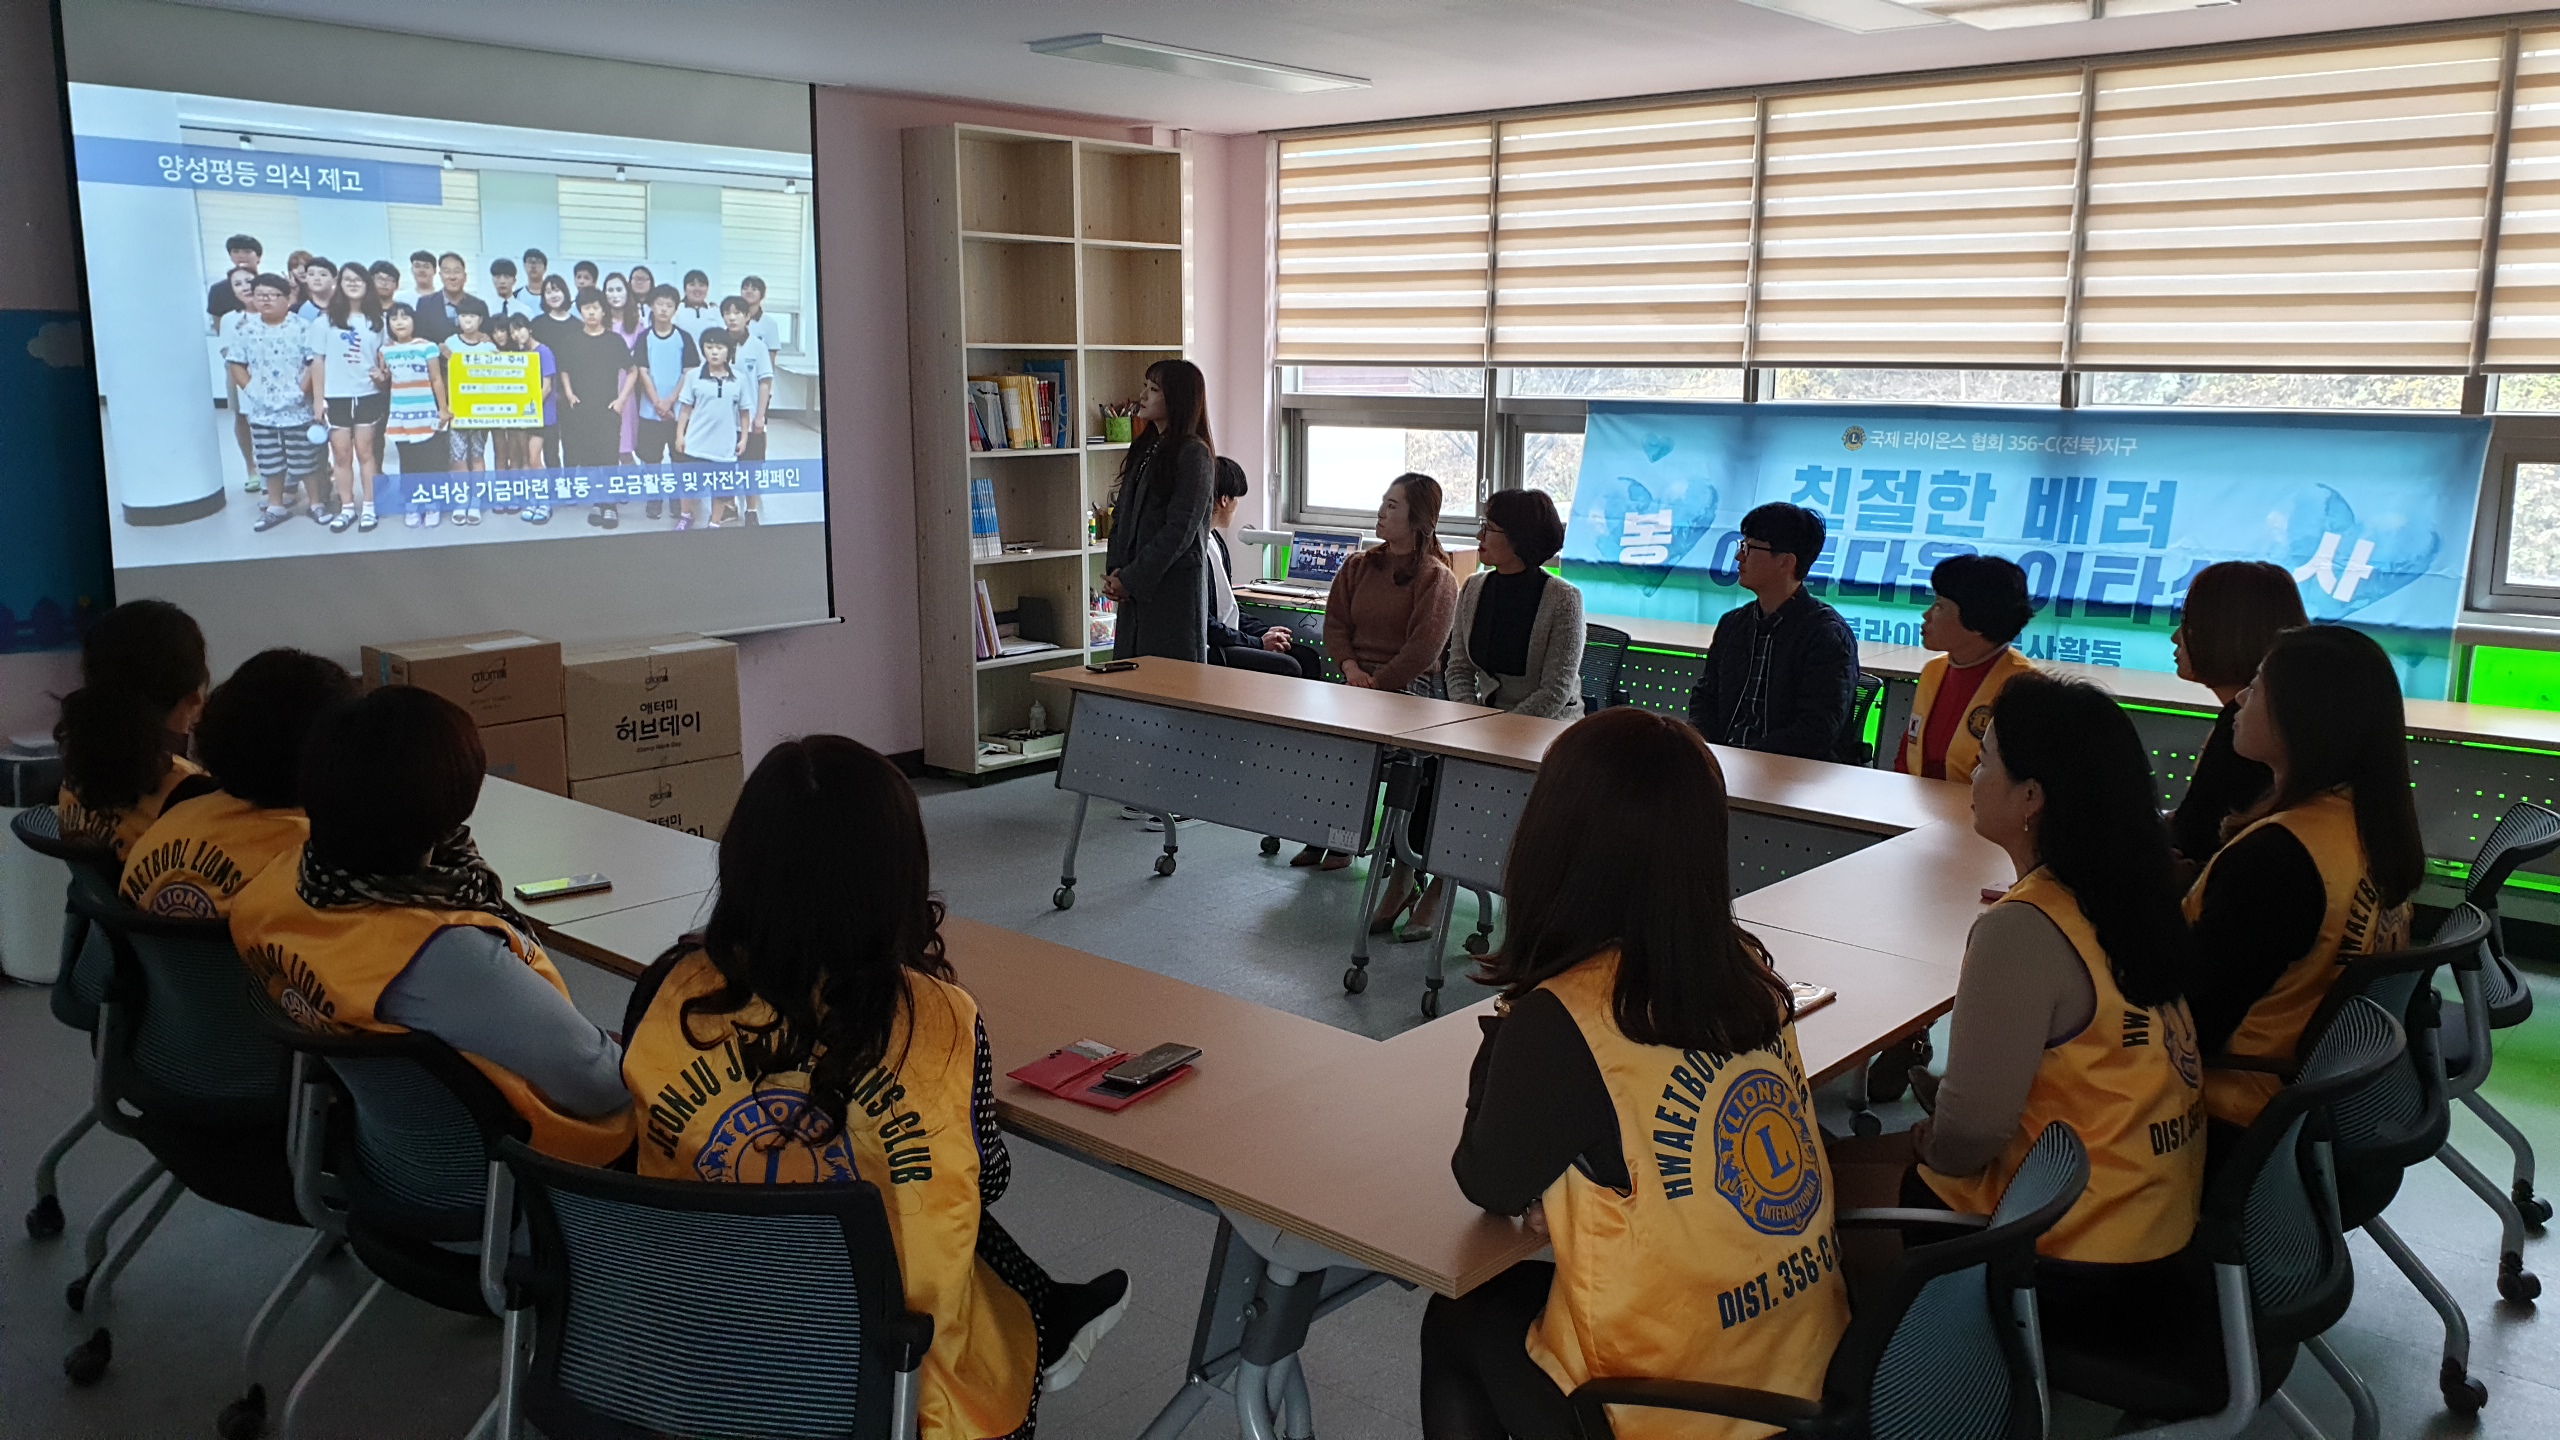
x=1862 y=16
x=2013 y=14
x=1198 y=64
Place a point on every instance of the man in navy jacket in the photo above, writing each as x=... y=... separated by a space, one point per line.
x=1782 y=671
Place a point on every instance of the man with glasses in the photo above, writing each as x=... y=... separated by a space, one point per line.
x=1782 y=672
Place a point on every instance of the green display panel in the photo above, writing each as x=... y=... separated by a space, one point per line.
x=2503 y=675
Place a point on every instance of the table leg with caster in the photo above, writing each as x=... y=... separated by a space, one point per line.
x=1064 y=897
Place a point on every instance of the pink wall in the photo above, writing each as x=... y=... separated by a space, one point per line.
x=862 y=677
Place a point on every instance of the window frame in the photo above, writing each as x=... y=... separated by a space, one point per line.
x=2518 y=439
x=1383 y=412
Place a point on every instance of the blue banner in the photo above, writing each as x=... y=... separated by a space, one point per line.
x=103 y=160
x=2111 y=514
x=602 y=484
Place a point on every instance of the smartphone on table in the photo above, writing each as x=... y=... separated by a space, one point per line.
x=562 y=888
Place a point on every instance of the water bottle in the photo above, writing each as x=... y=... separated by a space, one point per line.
x=1039 y=718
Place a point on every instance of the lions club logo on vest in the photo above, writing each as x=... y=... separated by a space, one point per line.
x=759 y=1141
x=2178 y=1032
x=184 y=900
x=1765 y=1163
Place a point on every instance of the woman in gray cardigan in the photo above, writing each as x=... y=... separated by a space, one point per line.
x=1517 y=641
x=1160 y=522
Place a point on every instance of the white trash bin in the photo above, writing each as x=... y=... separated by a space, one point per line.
x=31 y=885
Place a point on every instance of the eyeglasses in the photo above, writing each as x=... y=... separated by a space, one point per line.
x=1763 y=546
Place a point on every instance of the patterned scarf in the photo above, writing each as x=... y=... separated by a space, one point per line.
x=455 y=878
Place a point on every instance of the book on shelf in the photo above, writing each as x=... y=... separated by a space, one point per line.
x=986 y=413
x=1052 y=378
x=989 y=644
x=986 y=541
x=1020 y=418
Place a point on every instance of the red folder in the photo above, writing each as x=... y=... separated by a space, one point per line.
x=1075 y=1073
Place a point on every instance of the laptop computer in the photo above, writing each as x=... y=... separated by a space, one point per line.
x=1315 y=557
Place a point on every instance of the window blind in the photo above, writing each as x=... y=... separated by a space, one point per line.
x=453 y=226
x=1921 y=225
x=221 y=214
x=1624 y=238
x=1384 y=246
x=2524 y=322
x=760 y=232
x=606 y=221
x=2321 y=210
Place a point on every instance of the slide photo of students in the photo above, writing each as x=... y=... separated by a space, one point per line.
x=374 y=320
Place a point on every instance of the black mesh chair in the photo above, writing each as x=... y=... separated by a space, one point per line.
x=1944 y=1348
x=1604 y=653
x=815 y=1335
x=2403 y=1116
x=78 y=989
x=396 y=1151
x=2498 y=999
x=186 y=1067
x=1862 y=710
x=2269 y=1269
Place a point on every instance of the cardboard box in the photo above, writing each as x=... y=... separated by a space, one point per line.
x=694 y=797
x=644 y=703
x=530 y=752
x=500 y=677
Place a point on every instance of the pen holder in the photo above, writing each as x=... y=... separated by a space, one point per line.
x=1115 y=429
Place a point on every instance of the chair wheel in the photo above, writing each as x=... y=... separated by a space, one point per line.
x=87 y=1362
x=244 y=1418
x=1867 y=1122
x=1476 y=943
x=1164 y=864
x=2535 y=1210
x=2462 y=1394
x=1431 y=1004
x=1270 y=844
x=76 y=1294
x=44 y=1218
x=2516 y=1283
x=1064 y=897
x=1355 y=979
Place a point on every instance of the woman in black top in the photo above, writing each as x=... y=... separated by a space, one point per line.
x=1160 y=522
x=1516 y=643
x=2233 y=612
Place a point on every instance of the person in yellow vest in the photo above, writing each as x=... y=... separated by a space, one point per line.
x=1981 y=606
x=387 y=920
x=203 y=850
x=812 y=1032
x=2319 y=872
x=124 y=732
x=1642 y=1101
x=2068 y=1009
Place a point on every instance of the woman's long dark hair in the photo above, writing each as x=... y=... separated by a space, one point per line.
x=824 y=908
x=2336 y=701
x=2101 y=834
x=1622 y=845
x=138 y=662
x=369 y=305
x=1186 y=413
x=2233 y=611
x=1422 y=508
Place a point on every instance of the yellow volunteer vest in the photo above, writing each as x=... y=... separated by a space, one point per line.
x=908 y=1131
x=202 y=852
x=328 y=969
x=120 y=828
x=1964 y=748
x=2131 y=1083
x=2355 y=923
x=1731 y=1198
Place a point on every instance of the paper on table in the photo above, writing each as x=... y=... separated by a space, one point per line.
x=1810 y=997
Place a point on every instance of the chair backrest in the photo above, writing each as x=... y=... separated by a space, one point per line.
x=189 y=1045
x=1870 y=689
x=2270 y=1204
x=39 y=828
x=1936 y=1354
x=786 y=1318
x=86 y=964
x=414 y=1156
x=2526 y=832
x=1604 y=653
x=2402 y=1117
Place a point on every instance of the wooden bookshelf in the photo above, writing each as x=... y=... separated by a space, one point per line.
x=1024 y=247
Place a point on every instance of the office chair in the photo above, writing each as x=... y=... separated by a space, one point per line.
x=1862 y=710
x=395 y=1151
x=78 y=988
x=1604 y=653
x=815 y=1338
x=1944 y=1349
x=2280 y=1272
x=2499 y=1000
x=185 y=1066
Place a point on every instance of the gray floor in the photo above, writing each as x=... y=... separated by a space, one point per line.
x=1230 y=918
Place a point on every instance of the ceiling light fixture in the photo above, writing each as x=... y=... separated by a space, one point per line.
x=621 y=174
x=248 y=144
x=1869 y=16
x=448 y=159
x=1860 y=16
x=1198 y=64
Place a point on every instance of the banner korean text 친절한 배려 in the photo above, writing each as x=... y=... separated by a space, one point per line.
x=2111 y=514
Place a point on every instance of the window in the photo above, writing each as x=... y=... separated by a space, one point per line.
x=2274 y=391
x=606 y=221
x=1346 y=465
x=1552 y=461
x=1920 y=387
x=1383 y=245
x=1381 y=380
x=760 y=234
x=1624 y=384
x=2533 y=526
x=452 y=226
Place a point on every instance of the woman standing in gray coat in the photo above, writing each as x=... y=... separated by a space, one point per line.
x=1517 y=643
x=1153 y=565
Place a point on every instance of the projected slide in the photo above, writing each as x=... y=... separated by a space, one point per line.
x=323 y=332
